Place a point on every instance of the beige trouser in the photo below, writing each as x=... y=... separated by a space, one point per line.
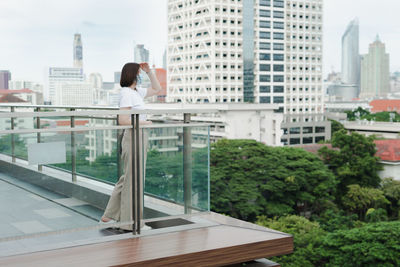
x=119 y=206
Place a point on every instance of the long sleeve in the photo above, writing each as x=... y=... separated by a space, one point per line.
x=155 y=84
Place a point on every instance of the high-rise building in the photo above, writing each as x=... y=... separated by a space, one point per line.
x=5 y=77
x=141 y=54
x=375 y=73
x=74 y=93
x=351 y=58
x=78 y=52
x=54 y=76
x=96 y=80
x=250 y=51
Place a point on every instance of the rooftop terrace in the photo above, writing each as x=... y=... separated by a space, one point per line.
x=55 y=181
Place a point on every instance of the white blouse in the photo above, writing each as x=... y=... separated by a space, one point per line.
x=134 y=99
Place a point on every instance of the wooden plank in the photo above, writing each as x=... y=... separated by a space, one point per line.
x=211 y=246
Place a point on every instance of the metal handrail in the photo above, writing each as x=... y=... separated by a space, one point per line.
x=101 y=113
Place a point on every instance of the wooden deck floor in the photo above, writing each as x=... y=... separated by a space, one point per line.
x=217 y=245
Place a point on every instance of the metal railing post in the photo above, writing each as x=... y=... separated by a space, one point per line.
x=40 y=167
x=119 y=150
x=136 y=169
x=187 y=164
x=12 y=137
x=73 y=149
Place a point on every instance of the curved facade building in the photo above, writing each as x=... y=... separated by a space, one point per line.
x=351 y=57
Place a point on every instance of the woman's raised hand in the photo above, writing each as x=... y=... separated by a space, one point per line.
x=145 y=67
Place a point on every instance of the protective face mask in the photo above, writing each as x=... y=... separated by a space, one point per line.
x=139 y=79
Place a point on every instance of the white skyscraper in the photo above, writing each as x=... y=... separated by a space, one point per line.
x=375 y=73
x=55 y=76
x=78 y=51
x=258 y=51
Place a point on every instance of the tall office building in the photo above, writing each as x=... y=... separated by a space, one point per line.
x=141 y=54
x=5 y=77
x=250 y=51
x=351 y=58
x=375 y=74
x=54 y=76
x=78 y=52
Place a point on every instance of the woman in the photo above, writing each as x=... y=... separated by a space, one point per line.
x=131 y=98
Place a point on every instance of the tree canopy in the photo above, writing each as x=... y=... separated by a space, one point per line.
x=353 y=161
x=249 y=179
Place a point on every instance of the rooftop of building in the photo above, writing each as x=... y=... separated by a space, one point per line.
x=387 y=150
x=9 y=98
x=379 y=105
x=19 y=91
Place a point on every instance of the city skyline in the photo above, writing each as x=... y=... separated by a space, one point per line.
x=110 y=32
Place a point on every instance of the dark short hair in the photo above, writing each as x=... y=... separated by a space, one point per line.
x=129 y=74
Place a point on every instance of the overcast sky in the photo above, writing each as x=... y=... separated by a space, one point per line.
x=35 y=34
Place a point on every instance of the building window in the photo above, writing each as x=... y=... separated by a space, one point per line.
x=279 y=78
x=278 y=99
x=319 y=138
x=284 y=141
x=265 y=46
x=278 y=46
x=278 y=36
x=265 y=24
x=294 y=141
x=265 y=89
x=295 y=130
x=278 y=89
x=307 y=130
x=285 y=130
x=265 y=13
x=319 y=130
x=278 y=25
x=278 y=14
x=278 y=3
x=265 y=67
x=265 y=3
x=265 y=99
x=307 y=140
x=265 y=35
x=278 y=57
x=265 y=78
x=278 y=67
x=265 y=56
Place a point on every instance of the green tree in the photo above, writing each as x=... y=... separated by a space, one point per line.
x=391 y=189
x=352 y=160
x=336 y=219
x=359 y=199
x=374 y=244
x=360 y=112
x=307 y=236
x=335 y=127
x=249 y=179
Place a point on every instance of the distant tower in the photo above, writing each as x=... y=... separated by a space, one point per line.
x=5 y=77
x=351 y=57
x=375 y=71
x=78 y=58
x=141 y=54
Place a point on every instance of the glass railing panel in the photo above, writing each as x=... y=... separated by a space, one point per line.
x=48 y=201
x=176 y=179
x=200 y=168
